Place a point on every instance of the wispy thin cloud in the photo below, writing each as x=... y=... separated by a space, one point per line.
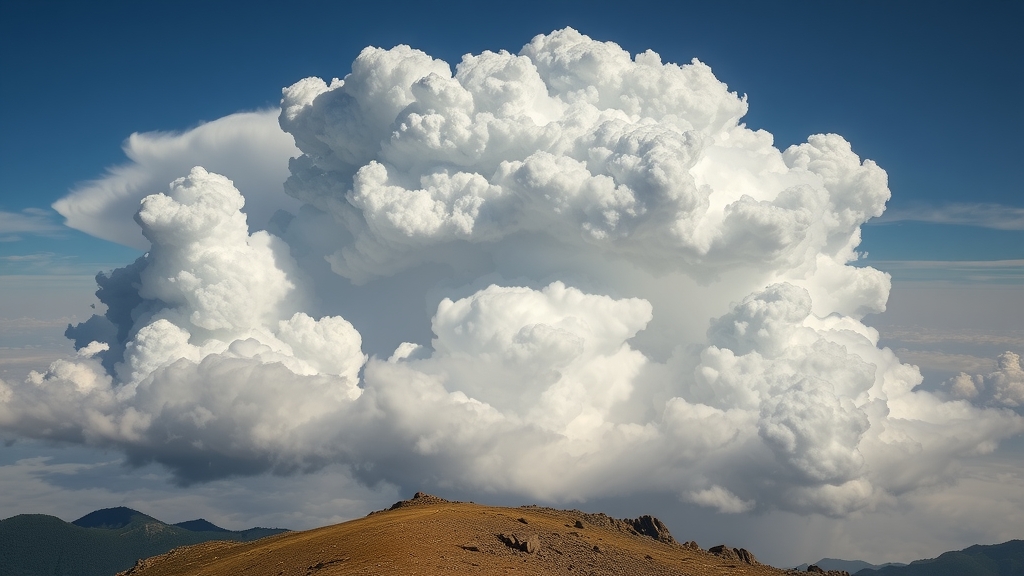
x=984 y=215
x=29 y=221
x=983 y=271
x=934 y=338
x=49 y=264
x=954 y=264
x=45 y=257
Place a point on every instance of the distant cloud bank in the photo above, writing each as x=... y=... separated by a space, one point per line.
x=626 y=289
x=984 y=215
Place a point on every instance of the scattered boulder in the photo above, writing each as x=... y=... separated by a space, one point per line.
x=579 y=524
x=528 y=544
x=692 y=545
x=471 y=546
x=531 y=544
x=523 y=520
x=815 y=569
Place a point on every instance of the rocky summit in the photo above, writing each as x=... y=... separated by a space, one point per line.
x=428 y=536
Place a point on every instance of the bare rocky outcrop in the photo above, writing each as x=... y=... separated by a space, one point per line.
x=724 y=552
x=419 y=499
x=646 y=525
x=746 y=556
x=650 y=526
x=736 y=554
x=140 y=565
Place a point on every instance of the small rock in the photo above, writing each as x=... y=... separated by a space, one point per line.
x=597 y=548
x=691 y=545
x=471 y=546
x=579 y=524
x=815 y=569
x=523 y=520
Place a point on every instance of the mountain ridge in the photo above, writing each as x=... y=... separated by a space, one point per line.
x=98 y=544
x=1005 y=559
x=201 y=525
x=428 y=536
x=851 y=566
x=112 y=518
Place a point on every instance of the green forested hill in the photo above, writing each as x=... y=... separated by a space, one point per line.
x=1006 y=559
x=41 y=545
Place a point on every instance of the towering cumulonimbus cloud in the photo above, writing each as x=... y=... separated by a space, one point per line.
x=626 y=290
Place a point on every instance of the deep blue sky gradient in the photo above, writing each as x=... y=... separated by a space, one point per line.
x=931 y=91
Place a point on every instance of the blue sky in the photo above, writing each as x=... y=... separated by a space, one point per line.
x=931 y=93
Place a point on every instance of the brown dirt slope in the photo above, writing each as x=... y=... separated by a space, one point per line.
x=430 y=536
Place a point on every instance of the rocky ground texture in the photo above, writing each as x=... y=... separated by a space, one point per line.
x=431 y=536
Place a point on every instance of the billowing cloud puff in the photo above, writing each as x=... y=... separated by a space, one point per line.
x=570 y=138
x=248 y=147
x=1003 y=387
x=626 y=290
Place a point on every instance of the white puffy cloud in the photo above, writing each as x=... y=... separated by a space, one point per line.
x=247 y=147
x=721 y=499
x=204 y=334
x=627 y=290
x=571 y=138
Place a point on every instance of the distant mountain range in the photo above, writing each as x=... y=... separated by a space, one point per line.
x=100 y=543
x=851 y=566
x=1006 y=559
